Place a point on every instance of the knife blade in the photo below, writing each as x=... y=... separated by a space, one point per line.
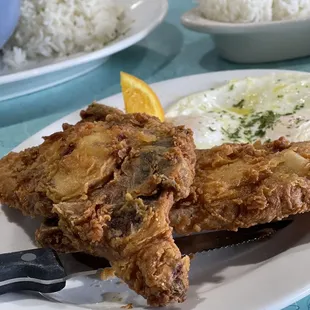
x=45 y=271
x=205 y=242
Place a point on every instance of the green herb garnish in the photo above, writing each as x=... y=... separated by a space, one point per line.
x=298 y=107
x=234 y=136
x=239 y=105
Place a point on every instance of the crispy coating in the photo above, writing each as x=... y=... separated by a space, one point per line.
x=98 y=112
x=241 y=185
x=106 y=188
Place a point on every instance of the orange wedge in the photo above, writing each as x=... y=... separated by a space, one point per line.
x=139 y=97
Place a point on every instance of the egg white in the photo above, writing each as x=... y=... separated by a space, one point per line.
x=228 y=113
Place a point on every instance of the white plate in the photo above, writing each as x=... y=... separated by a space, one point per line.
x=268 y=275
x=145 y=16
x=254 y=42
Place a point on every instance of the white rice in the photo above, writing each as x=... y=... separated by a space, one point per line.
x=291 y=9
x=238 y=11
x=56 y=28
x=251 y=11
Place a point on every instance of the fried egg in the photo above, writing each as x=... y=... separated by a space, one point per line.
x=242 y=111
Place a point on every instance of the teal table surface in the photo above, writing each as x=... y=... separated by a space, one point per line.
x=170 y=51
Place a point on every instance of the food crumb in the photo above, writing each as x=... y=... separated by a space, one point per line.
x=107 y=273
x=129 y=306
x=191 y=256
x=116 y=298
x=197 y=228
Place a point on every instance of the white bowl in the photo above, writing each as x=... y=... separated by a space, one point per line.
x=254 y=42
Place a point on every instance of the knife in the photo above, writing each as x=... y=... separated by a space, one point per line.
x=205 y=242
x=45 y=271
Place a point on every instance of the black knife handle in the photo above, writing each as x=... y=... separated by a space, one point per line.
x=37 y=270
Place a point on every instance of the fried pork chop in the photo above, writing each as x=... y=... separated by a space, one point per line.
x=241 y=185
x=106 y=188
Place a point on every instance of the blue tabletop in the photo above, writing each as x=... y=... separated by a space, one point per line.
x=170 y=51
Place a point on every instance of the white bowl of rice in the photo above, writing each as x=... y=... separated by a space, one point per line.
x=254 y=31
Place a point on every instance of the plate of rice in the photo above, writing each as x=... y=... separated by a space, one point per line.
x=58 y=40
